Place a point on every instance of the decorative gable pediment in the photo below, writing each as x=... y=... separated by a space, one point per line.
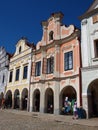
x=53 y=29
x=21 y=46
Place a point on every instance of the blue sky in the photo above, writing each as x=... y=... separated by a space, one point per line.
x=23 y=18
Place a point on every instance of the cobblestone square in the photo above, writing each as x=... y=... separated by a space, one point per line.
x=21 y=120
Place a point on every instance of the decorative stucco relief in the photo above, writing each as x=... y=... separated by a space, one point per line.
x=66 y=31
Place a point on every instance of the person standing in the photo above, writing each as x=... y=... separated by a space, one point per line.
x=66 y=105
x=75 y=111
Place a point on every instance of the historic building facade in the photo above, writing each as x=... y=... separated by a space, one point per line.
x=55 y=67
x=17 y=91
x=89 y=49
x=4 y=65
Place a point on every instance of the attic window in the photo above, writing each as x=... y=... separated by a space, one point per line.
x=51 y=35
x=95 y=19
x=20 y=49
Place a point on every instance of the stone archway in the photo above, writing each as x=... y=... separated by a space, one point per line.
x=16 y=99
x=92 y=94
x=24 y=98
x=49 y=101
x=8 y=99
x=36 y=101
x=69 y=92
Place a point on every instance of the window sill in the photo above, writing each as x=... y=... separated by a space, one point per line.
x=37 y=76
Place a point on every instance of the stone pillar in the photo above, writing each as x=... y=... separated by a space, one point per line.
x=85 y=104
x=29 y=87
x=20 y=98
x=31 y=98
x=14 y=75
x=56 y=98
x=21 y=73
x=57 y=61
x=12 y=101
x=45 y=34
x=42 y=66
x=42 y=100
x=85 y=42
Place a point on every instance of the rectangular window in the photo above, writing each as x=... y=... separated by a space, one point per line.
x=96 y=48
x=11 y=75
x=25 y=72
x=38 y=68
x=68 y=61
x=17 y=74
x=50 y=65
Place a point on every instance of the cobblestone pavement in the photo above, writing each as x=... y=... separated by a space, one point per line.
x=21 y=120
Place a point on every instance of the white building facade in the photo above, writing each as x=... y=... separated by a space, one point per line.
x=89 y=52
x=4 y=64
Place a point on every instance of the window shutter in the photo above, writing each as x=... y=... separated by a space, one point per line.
x=44 y=67
x=33 y=68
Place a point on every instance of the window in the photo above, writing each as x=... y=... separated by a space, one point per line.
x=19 y=49
x=96 y=48
x=68 y=60
x=50 y=65
x=17 y=74
x=51 y=35
x=38 y=68
x=25 y=72
x=3 y=79
x=11 y=75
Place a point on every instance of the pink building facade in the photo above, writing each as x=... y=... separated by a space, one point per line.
x=56 y=66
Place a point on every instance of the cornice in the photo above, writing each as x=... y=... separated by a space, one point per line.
x=22 y=57
x=58 y=79
x=89 y=68
x=88 y=14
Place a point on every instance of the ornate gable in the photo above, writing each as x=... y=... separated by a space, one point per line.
x=21 y=46
x=54 y=30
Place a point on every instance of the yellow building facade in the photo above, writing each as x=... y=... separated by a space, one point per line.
x=17 y=91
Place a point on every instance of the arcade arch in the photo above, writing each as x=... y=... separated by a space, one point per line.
x=8 y=99
x=16 y=99
x=92 y=95
x=49 y=101
x=69 y=92
x=24 y=98
x=36 y=100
